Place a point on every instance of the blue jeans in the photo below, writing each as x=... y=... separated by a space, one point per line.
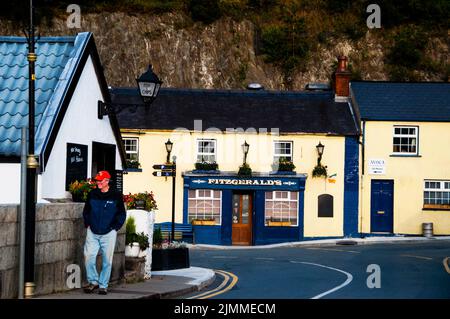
x=94 y=243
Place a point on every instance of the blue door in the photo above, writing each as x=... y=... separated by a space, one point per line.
x=382 y=206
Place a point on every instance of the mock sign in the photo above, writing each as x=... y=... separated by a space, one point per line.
x=377 y=166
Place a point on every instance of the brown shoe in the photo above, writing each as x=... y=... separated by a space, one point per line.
x=90 y=288
x=102 y=291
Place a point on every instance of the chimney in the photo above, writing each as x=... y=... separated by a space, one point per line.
x=342 y=80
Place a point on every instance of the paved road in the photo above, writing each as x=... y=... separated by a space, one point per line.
x=407 y=270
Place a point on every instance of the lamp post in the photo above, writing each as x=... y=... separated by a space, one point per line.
x=169 y=146
x=148 y=84
x=319 y=148
x=245 y=148
x=32 y=165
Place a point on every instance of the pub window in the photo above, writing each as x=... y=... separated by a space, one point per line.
x=281 y=207
x=131 y=148
x=282 y=149
x=205 y=204
x=436 y=194
x=206 y=150
x=405 y=140
x=325 y=203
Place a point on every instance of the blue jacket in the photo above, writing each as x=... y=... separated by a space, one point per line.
x=104 y=212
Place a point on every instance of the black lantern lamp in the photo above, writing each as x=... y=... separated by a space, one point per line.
x=245 y=148
x=148 y=84
x=319 y=148
x=169 y=146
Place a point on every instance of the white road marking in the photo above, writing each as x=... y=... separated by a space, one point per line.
x=445 y=262
x=264 y=258
x=332 y=249
x=224 y=257
x=419 y=257
x=349 y=278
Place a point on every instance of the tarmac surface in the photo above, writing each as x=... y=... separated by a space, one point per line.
x=176 y=283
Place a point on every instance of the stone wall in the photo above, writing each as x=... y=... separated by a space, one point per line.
x=60 y=236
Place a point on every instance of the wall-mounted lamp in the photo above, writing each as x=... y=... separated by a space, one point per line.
x=169 y=146
x=319 y=148
x=245 y=148
x=148 y=84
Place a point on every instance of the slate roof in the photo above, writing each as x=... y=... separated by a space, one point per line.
x=290 y=112
x=392 y=101
x=57 y=59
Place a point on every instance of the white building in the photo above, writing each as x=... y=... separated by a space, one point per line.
x=70 y=139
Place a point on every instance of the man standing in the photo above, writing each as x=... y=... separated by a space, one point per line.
x=104 y=214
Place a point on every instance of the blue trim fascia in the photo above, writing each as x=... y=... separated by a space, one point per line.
x=185 y=204
x=351 y=186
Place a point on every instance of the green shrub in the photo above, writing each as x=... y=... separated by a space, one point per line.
x=157 y=237
x=286 y=44
x=130 y=231
x=206 y=11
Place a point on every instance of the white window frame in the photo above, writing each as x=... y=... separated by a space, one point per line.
x=211 y=198
x=200 y=154
x=276 y=156
x=416 y=136
x=131 y=152
x=441 y=193
x=279 y=199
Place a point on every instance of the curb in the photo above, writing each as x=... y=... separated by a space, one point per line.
x=325 y=242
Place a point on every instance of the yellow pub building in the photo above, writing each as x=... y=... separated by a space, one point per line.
x=324 y=163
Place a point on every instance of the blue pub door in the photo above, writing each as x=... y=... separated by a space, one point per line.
x=382 y=206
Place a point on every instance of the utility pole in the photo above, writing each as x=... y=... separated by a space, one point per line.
x=174 y=173
x=32 y=165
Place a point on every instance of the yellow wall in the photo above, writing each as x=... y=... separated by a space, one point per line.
x=230 y=157
x=408 y=174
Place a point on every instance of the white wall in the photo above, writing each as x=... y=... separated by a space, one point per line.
x=9 y=183
x=80 y=126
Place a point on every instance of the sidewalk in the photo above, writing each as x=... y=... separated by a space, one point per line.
x=174 y=283
x=163 y=284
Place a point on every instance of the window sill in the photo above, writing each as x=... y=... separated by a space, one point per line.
x=436 y=207
x=134 y=170
x=279 y=224
x=405 y=155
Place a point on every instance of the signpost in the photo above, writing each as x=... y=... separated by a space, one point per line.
x=166 y=170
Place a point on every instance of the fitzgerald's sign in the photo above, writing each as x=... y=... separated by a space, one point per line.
x=267 y=182
x=255 y=183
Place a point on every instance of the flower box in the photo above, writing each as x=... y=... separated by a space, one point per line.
x=279 y=224
x=170 y=258
x=203 y=222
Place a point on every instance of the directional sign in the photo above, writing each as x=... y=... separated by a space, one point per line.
x=163 y=166
x=163 y=173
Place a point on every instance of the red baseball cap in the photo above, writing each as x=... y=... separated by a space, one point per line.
x=102 y=175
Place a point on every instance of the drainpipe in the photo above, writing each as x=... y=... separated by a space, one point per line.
x=363 y=144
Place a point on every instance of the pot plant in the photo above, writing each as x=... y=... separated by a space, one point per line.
x=145 y=201
x=168 y=255
x=206 y=166
x=320 y=171
x=244 y=170
x=81 y=189
x=284 y=165
x=131 y=239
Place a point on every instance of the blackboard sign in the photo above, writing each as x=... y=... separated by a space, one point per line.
x=119 y=181
x=76 y=163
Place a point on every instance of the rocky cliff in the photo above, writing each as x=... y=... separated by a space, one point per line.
x=220 y=55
